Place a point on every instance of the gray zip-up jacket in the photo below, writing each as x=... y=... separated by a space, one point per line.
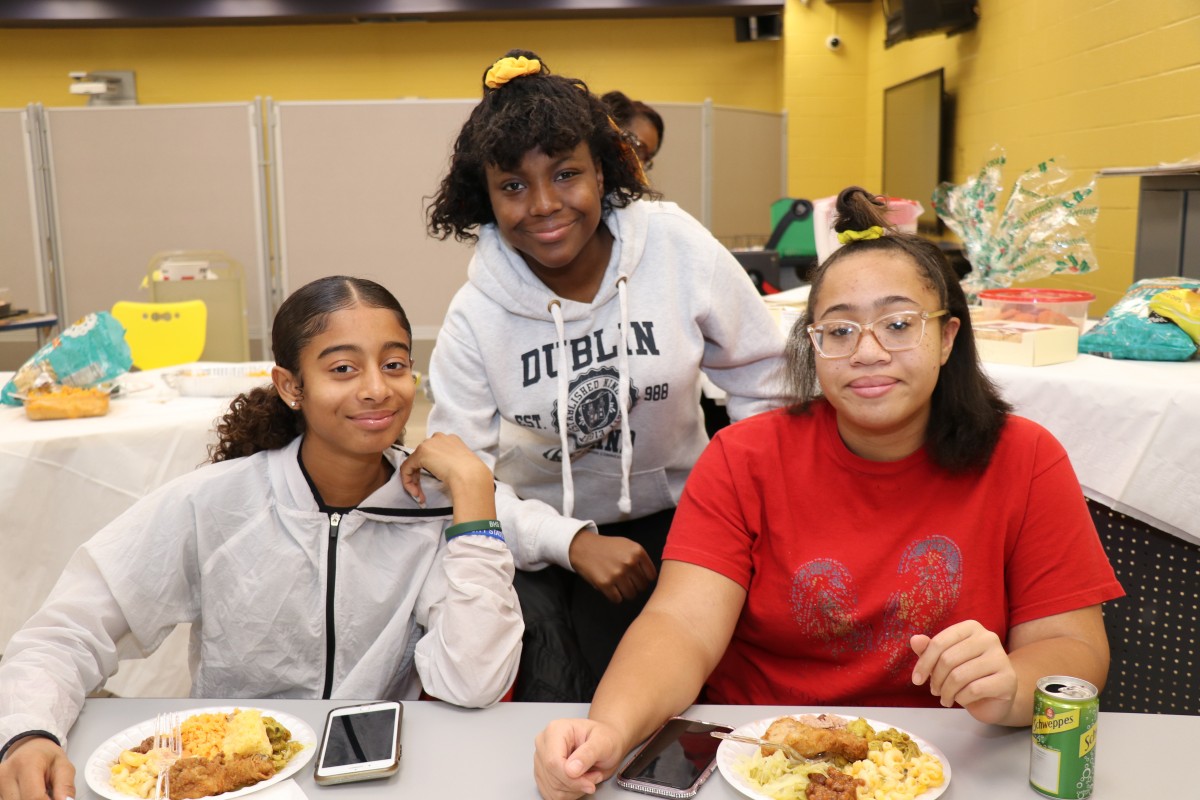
x=285 y=600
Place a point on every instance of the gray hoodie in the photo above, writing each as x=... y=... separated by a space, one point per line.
x=524 y=376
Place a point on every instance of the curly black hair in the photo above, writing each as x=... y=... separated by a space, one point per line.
x=542 y=111
x=967 y=411
x=261 y=420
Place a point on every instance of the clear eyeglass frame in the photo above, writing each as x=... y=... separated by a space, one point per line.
x=816 y=332
x=643 y=153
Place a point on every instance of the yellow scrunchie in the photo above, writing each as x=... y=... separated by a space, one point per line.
x=508 y=68
x=873 y=232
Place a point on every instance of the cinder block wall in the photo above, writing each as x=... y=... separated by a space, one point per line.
x=1094 y=83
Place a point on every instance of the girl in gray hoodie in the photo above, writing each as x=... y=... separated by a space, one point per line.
x=572 y=359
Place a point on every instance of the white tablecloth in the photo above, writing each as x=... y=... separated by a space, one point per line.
x=1131 y=428
x=63 y=480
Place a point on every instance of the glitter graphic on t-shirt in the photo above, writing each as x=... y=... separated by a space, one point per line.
x=925 y=588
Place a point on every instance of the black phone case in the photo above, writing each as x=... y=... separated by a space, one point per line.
x=636 y=785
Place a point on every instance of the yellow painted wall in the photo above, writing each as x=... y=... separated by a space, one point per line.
x=1093 y=82
x=824 y=95
x=685 y=60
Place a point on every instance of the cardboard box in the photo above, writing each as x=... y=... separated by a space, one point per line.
x=1026 y=343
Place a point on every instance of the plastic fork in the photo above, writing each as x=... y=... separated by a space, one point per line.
x=792 y=753
x=169 y=743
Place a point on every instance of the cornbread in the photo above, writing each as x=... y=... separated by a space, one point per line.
x=246 y=735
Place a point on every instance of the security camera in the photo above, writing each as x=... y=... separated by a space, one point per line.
x=833 y=42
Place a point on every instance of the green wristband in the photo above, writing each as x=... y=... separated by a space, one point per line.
x=485 y=526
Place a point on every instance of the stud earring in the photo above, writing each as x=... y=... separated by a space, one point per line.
x=295 y=404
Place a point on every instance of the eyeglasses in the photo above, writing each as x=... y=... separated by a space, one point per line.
x=643 y=152
x=839 y=338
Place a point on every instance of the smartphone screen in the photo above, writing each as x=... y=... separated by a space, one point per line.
x=359 y=739
x=679 y=756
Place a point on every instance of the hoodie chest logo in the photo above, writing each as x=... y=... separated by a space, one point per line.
x=584 y=352
x=592 y=410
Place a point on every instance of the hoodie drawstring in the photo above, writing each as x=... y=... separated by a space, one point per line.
x=568 y=479
x=624 y=504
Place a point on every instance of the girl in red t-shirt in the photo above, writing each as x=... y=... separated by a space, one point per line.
x=894 y=537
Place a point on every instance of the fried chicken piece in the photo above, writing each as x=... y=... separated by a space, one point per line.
x=247 y=771
x=192 y=778
x=837 y=785
x=811 y=742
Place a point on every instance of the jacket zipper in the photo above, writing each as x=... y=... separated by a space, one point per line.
x=330 y=643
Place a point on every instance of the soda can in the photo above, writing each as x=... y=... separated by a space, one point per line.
x=1062 y=762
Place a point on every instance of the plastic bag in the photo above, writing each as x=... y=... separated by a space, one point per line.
x=89 y=352
x=1132 y=331
x=1181 y=306
x=1043 y=229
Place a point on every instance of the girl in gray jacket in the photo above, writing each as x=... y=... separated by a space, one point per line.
x=316 y=558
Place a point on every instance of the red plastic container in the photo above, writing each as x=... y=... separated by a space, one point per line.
x=1046 y=306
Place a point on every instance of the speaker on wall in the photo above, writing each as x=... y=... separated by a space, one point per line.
x=760 y=27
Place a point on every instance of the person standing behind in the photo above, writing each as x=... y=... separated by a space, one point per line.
x=641 y=122
x=893 y=538
x=572 y=358
x=316 y=559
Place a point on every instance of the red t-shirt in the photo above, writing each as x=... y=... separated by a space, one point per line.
x=844 y=559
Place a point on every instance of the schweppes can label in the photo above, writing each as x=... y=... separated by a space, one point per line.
x=1062 y=761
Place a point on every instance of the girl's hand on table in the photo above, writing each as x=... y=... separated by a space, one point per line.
x=617 y=567
x=36 y=768
x=572 y=756
x=967 y=664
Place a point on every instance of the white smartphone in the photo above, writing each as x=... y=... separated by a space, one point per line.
x=360 y=743
x=675 y=761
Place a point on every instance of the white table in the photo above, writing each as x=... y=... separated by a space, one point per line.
x=63 y=480
x=1137 y=755
x=1131 y=428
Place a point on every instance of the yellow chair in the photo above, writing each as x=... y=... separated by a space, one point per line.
x=163 y=334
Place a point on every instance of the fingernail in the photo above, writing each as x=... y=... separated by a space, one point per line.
x=918 y=678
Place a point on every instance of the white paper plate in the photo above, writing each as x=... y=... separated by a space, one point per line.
x=730 y=753
x=99 y=765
